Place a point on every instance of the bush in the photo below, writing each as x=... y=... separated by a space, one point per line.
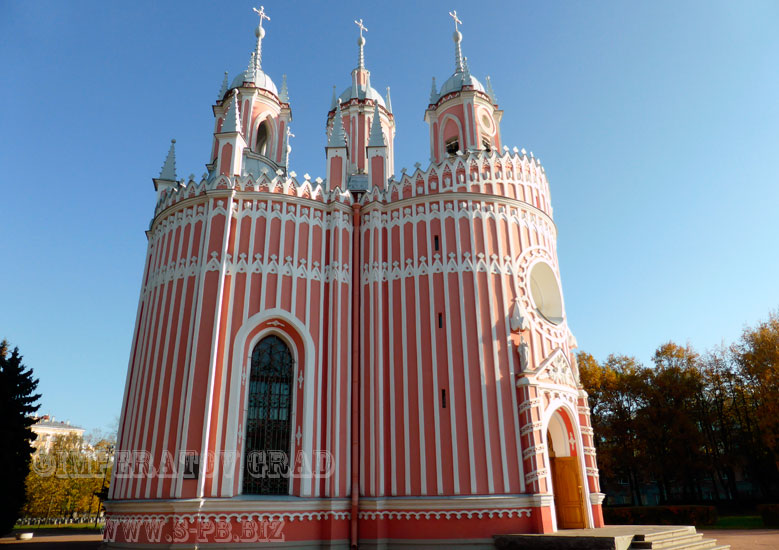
x=660 y=515
x=770 y=513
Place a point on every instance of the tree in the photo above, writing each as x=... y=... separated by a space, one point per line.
x=18 y=403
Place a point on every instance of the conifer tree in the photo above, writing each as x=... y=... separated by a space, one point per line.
x=17 y=405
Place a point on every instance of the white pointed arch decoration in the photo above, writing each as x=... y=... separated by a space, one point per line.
x=291 y=330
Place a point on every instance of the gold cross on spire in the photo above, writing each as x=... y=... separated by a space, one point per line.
x=453 y=15
x=261 y=13
x=362 y=27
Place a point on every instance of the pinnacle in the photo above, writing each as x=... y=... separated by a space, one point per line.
x=284 y=93
x=223 y=89
x=337 y=137
x=168 y=171
x=232 y=121
x=377 y=135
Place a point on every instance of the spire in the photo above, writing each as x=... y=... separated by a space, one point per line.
x=433 y=93
x=259 y=32
x=458 y=37
x=337 y=137
x=334 y=101
x=223 y=89
x=389 y=101
x=284 y=94
x=377 y=135
x=168 y=171
x=466 y=71
x=361 y=44
x=490 y=91
x=232 y=121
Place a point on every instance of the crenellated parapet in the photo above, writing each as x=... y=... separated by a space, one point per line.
x=508 y=175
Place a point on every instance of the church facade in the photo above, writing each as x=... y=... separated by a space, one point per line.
x=372 y=359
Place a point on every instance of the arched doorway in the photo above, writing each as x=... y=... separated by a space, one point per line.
x=263 y=139
x=268 y=419
x=566 y=473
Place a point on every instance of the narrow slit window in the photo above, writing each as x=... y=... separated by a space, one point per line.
x=435 y=243
x=440 y=320
x=443 y=399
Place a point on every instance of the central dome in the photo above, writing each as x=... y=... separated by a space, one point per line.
x=362 y=92
x=258 y=78
x=457 y=81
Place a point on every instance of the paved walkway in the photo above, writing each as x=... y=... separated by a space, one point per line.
x=745 y=539
x=74 y=541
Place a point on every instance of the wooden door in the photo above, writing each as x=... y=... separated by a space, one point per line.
x=568 y=493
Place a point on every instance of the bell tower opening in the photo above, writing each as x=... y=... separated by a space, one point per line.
x=566 y=474
x=263 y=139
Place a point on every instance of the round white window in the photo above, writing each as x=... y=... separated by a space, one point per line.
x=545 y=293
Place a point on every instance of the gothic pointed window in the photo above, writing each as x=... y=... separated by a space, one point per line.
x=268 y=421
x=263 y=139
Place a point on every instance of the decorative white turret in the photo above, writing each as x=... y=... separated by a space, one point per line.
x=262 y=115
x=462 y=115
x=360 y=102
x=167 y=177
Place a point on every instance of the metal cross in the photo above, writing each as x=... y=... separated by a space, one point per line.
x=261 y=13
x=453 y=15
x=362 y=27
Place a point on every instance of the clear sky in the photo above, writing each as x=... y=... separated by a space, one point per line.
x=657 y=123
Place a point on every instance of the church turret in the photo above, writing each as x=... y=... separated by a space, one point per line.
x=264 y=113
x=167 y=179
x=463 y=115
x=359 y=104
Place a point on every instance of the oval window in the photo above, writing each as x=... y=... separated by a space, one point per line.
x=545 y=293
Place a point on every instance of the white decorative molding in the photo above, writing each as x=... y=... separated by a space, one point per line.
x=597 y=498
x=557 y=369
x=447 y=514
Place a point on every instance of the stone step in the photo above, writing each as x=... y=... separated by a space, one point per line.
x=671 y=533
x=666 y=543
x=683 y=544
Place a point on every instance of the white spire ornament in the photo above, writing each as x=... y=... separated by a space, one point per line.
x=232 y=121
x=334 y=101
x=377 y=134
x=223 y=89
x=433 y=93
x=361 y=44
x=284 y=93
x=259 y=32
x=490 y=91
x=337 y=137
x=168 y=171
x=389 y=101
x=458 y=37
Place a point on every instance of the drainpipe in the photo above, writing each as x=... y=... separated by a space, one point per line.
x=355 y=372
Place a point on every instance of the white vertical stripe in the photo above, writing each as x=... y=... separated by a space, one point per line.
x=340 y=459
x=404 y=366
x=176 y=349
x=420 y=383
x=209 y=402
x=493 y=344
x=380 y=431
x=392 y=368
x=513 y=366
x=449 y=353
x=192 y=360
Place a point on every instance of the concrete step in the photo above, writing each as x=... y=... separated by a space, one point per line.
x=666 y=543
x=671 y=533
x=681 y=543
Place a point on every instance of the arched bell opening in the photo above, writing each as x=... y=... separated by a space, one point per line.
x=566 y=472
x=262 y=144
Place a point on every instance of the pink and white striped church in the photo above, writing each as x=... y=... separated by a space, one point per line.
x=372 y=360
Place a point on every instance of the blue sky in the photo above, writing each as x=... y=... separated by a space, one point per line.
x=657 y=123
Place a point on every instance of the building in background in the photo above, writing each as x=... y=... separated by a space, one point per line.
x=374 y=359
x=48 y=429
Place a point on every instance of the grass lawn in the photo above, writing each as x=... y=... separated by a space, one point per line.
x=737 y=522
